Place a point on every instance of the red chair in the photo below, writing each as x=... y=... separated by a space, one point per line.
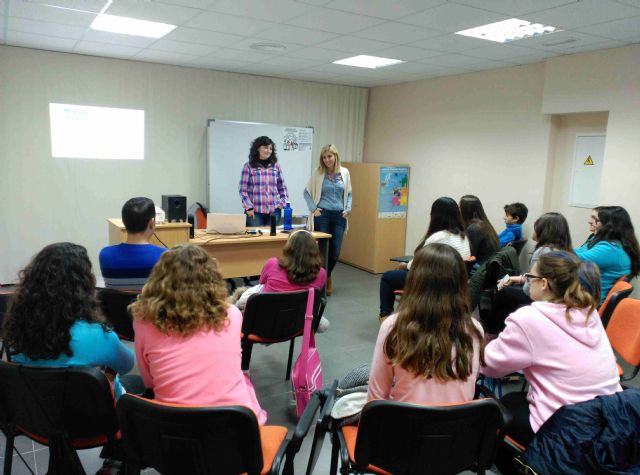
x=623 y=331
x=620 y=290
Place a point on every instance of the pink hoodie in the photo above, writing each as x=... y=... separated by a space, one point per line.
x=565 y=362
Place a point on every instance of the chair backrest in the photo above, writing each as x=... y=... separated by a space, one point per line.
x=518 y=245
x=177 y=439
x=620 y=290
x=114 y=306
x=279 y=316
x=6 y=294
x=623 y=330
x=51 y=404
x=408 y=439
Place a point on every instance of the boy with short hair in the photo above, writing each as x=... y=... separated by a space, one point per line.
x=514 y=215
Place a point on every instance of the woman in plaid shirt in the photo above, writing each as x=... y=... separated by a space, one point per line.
x=262 y=187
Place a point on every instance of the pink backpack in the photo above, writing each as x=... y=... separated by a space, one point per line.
x=306 y=375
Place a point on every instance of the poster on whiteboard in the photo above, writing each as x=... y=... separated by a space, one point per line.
x=586 y=173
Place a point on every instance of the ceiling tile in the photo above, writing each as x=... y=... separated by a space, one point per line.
x=584 y=13
x=406 y=53
x=461 y=61
x=633 y=3
x=354 y=45
x=105 y=49
x=582 y=48
x=381 y=8
x=35 y=11
x=514 y=7
x=224 y=64
x=504 y=52
x=180 y=47
x=317 y=3
x=117 y=39
x=293 y=63
x=627 y=29
x=164 y=57
x=450 y=43
x=245 y=45
x=228 y=23
x=452 y=17
x=237 y=55
x=277 y=11
x=333 y=21
x=561 y=41
x=203 y=37
x=47 y=29
x=265 y=69
x=301 y=36
x=200 y=4
x=88 y=6
x=397 y=33
x=18 y=38
x=152 y=11
x=417 y=68
x=318 y=54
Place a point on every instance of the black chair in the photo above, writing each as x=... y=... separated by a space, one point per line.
x=274 y=317
x=114 y=307
x=620 y=290
x=6 y=294
x=405 y=439
x=323 y=425
x=177 y=439
x=518 y=245
x=63 y=408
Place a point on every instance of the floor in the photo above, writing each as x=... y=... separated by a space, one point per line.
x=352 y=311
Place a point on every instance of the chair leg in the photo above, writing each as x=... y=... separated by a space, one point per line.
x=8 y=453
x=247 y=348
x=291 y=345
x=334 y=457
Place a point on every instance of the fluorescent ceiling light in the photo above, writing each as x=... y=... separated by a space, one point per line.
x=371 y=62
x=130 y=26
x=508 y=30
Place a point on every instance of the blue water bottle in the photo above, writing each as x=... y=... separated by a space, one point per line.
x=288 y=217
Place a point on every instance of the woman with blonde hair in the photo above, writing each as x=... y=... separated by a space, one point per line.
x=328 y=196
x=187 y=337
x=430 y=351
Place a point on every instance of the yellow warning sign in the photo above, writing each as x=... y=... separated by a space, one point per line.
x=588 y=161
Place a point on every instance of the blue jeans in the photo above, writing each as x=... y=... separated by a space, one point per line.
x=333 y=223
x=391 y=280
x=263 y=219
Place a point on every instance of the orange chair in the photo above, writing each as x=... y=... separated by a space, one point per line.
x=620 y=290
x=623 y=331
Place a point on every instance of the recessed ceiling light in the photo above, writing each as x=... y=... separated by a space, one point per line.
x=371 y=62
x=131 y=26
x=268 y=47
x=508 y=30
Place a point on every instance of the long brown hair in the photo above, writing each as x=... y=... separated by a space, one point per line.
x=301 y=257
x=434 y=319
x=444 y=216
x=472 y=212
x=185 y=293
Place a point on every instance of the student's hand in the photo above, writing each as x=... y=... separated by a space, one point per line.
x=514 y=280
x=402 y=266
x=250 y=213
x=345 y=214
x=317 y=212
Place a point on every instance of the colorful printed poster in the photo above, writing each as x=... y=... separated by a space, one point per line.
x=393 y=193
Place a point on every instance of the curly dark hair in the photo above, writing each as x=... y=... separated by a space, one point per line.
x=56 y=289
x=254 y=154
x=617 y=227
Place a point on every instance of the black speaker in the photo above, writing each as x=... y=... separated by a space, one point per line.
x=175 y=208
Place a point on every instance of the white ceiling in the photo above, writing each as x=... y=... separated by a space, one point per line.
x=218 y=34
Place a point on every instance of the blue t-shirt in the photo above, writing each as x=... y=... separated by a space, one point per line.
x=611 y=259
x=127 y=266
x=91 y=346
x=513 y=232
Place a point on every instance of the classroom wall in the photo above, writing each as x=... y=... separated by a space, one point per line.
x=48 y=200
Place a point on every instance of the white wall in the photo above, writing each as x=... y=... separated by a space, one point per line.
x=46 y=200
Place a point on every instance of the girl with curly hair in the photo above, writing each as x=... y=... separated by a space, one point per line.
x=54 y=319
x=187 y=337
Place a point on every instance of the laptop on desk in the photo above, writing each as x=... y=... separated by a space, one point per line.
x=220 y=223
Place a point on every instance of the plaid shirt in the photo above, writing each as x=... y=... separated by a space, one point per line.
x=262 y=189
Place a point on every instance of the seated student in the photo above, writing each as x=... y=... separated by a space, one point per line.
x=445 y=227
x=514 y=215
x=54 y=320
x=429 y=352
x=126 y=266
x=298 y=268
x=483 y=239
x=187 y=337
x=558 y=342
x=613 y=246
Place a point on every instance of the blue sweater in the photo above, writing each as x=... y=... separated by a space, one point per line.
x=127 y=266
x=612 y=260
x=512 y=233
x=91 y=346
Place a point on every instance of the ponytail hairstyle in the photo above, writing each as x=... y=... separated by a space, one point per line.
x=552 y=230
x=472 y=212
x=563 y=271
x=301 y=257
x=445 y=216
x=434 y=319
x=617 y=227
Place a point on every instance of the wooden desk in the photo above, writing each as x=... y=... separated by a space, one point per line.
x=244 y=256
x=170 y=233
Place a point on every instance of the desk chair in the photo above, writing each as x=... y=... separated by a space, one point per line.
x=620 y=290
x=518 y=245
x=63 y=408
x=114 y=307
x=275 y=317
x=6 y=294
x=177 y=439
x=623 y=331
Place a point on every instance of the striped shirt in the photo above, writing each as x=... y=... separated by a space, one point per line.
x=262 y=189
x=127 y=266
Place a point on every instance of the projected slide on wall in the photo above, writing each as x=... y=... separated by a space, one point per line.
x=96 y=132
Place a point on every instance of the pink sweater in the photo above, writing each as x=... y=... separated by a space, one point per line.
x=275 y=278
x=394 y=383
x=565 y=362
x=200 y=369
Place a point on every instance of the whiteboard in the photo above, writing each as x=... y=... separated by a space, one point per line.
x=228 y=144
x=587 y=170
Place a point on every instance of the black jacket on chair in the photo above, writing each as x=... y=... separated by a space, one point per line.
x=600 y=436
